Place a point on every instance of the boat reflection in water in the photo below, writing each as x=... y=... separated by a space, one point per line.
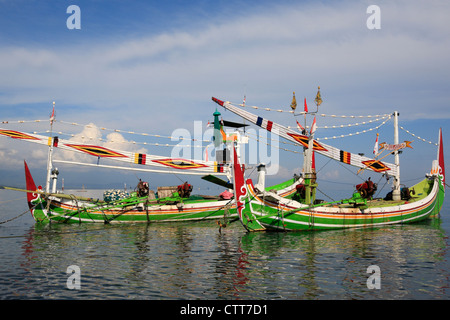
x=195 y=261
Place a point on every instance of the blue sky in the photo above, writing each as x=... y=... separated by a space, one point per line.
x=152 y=66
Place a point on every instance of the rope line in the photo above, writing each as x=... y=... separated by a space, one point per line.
x=302 y=113
x=14 y=218
x=407 y=131
x=356 y=133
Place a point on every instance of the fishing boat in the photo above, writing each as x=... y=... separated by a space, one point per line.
x=166 y=204
x=265 y=211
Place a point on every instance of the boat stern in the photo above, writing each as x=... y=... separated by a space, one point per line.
x=438 y=173
x=34 y=199
x=30 y=186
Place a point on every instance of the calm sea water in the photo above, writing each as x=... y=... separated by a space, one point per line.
x=197 y=262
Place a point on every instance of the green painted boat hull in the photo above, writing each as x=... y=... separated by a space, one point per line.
x=65 y=208
x=55 y=210
x=264 y=211
x=259 y=215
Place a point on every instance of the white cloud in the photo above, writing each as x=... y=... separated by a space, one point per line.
x=93 y=135
x=271 y=53
x=161 y=82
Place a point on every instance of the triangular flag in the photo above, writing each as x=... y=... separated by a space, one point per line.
x=306 y=107
x=314 y=126
x=52 y=117
x=375 y=148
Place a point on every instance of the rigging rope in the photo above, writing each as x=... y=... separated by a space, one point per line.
x=24 y=121
x=417 y=136
x=14 y=218
x=326 y=138
x=353 y=125
x=131 y=132
x=356 y=133
x=138 y=143
x=111 y=130
x=302 y=113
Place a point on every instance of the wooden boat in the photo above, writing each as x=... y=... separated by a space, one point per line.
x=65 y=208
x=167 y=204
x=265 y=211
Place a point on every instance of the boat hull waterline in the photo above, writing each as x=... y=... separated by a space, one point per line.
x=258 y=214
x=65 y=208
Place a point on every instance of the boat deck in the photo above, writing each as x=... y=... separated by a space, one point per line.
x=417 y=192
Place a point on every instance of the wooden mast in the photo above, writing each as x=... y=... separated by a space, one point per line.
x=50 y=151
x=309 y=172
x=396 y=192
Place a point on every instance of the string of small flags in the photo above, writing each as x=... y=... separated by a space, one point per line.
x=303 y=112
x=23 y=121
x=257 y=137
x=132 y=132
x=348 y=125
x=418 y=136
x=355 y=124
x=355 y=133
x=132 y=142
x=278 y=147
x=106 y=129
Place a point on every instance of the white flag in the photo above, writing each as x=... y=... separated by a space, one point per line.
x=375 y=148
x=314 y=126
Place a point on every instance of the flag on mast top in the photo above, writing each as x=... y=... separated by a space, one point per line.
x=52 y=117
x=314 y=126
x=375 y=148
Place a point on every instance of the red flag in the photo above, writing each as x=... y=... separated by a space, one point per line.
x=306 y=107
x=313 y=163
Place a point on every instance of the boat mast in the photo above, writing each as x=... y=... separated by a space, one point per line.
x=310 y=175
x=396 y=192
x=310 y=186
x=50 y=152
x=223 y=156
